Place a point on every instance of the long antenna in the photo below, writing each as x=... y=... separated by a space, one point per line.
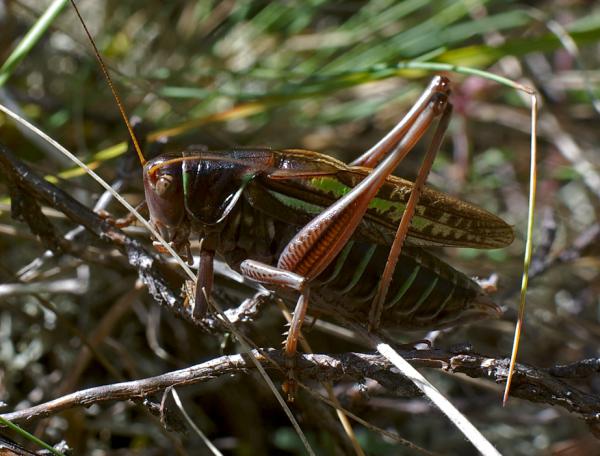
x=113 y=89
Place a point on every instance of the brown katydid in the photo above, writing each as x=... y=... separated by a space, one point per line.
x=307 y=224
x=254 y=207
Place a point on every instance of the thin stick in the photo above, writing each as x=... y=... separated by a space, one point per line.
x=547 y=386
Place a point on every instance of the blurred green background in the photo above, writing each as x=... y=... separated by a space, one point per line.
x=321 y=75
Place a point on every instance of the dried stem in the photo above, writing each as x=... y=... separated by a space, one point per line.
x=536 y=385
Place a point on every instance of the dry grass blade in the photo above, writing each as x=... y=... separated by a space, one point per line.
x=457 y=418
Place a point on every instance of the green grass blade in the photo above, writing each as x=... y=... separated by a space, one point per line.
x=30 y=39
x=32 y=438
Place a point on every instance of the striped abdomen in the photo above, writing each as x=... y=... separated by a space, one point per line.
x=425 y=292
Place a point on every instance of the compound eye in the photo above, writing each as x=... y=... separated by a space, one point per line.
x=439 y=100
x=163 y=184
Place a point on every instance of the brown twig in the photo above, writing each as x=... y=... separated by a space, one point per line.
x=530 y=383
